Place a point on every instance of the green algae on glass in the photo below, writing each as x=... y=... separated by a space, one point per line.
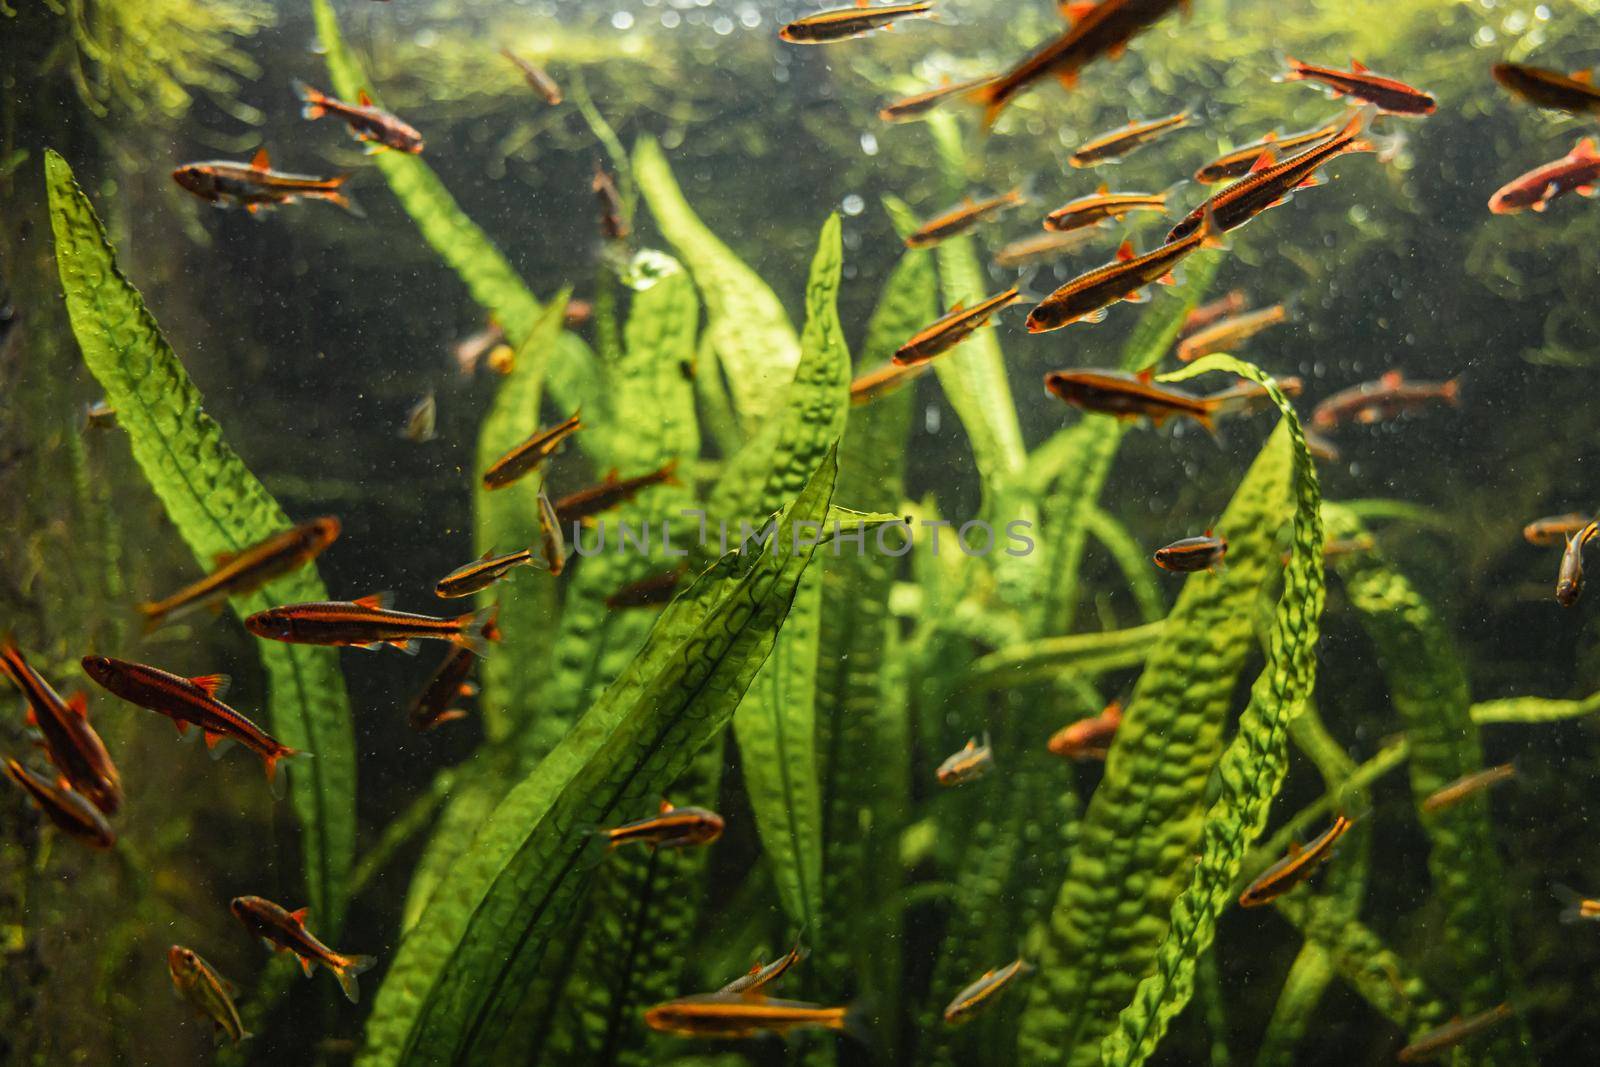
x=745 y=323
x=217 y=506
x=1145 y=818
x=458 y=975
x=775 y=726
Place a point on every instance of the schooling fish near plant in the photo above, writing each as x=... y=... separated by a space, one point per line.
x=1436 y=1042
x=721 y=1015
x=1130 y=396
x=1192 y=554
x=1553 y=530
x=842 y=24
x=917 y=105
x=281 y=930
x=1102 y=206
x=1576 y=172
x=436 y=704
x=368 y=623
x=1569 y=579
x=1388 y=95
x=1574 y=93
x=71 y=743
x=670 y=827
x=885 y=380
x=612 y=492
x=210 y=994
x=255 y=185
x=952 y=328
x=540 y=82
x=1224 y=336
x=985 y=991
x=763 y=975
x=1294 y=868
x=69 y=810
x=368 y=123
x=530 y=454
x=1113 y=146
x=1387 y=398
x=247 y=570
x=963 y=217
x=1088 y=738
x=1236 y=163
x=1467 y=786
x=971 y=763
x=481 y=573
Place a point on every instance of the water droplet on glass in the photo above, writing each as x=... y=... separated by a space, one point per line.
x=723 y=25
x=869 y=144
x=671 y=19
x=853 y=204
x=622 y=20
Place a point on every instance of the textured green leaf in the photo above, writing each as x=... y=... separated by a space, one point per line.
x=1143 y=824
x=1078 y=654
x=1253 y=765
x=747 y=326
x=461 y=971
x=776 y=725
x=217 y=506
x=861 y=718
x=1429 y=691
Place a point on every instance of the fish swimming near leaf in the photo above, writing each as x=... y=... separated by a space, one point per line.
x=1130 y=396
x=1387 y=398
x=733 y=1016
x=368 y=623
x=611 y=492
x=281 y=930
x=368 y=122
x=1042 y=248
x=195 y=702
x=762 y=975
x=1270 y=183
x=885 y=380
x=421 y=425
x=909 y=108
x=552 y=542
x=842 y=24
x=1102 y=206
x=654 y=590
x=1192 y=554
x=1576 y=172
x=436 y=704
x=210 y=994
x=1574 y=93
x=1236 y=163
x=613 y=215
x=1226 y=335
x=1247 y=397
x=1088 y=738
x=963 y=217
x=483 y=572
x=985 y=991
x=1569 y=579
x=247 y=570
x=69 y=810
x=1114 y=145
x=1088 y=297
x=99 y=415
x=952 y=328
x=669 y=827
x=1097 y=29
x=539 y=81
x=1294 y=868
x=968 y=765
x=1230 y=303
x=255 y=186
x=1467 y=786
x=1435 y=1043
x=70 y=742
x=530 y=454
x=1358 y=83
x=1553 y=530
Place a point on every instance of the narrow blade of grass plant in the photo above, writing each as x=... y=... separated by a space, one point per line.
x=1083 y=655
x=1144 y=821
x=459 y=974
x=1429 y=691
x=751 y=335
x=217 y=506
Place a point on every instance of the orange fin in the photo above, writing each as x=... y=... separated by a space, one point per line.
x=1264 y=161
x=380 y=601
x=1068 y=79
x=1125 y=251
x=1391 y=379
x=261 y=161
x=183 y=727
x=212 y=685
x=1584 y=76
x=1146 y=376
x=666 y=806
x=1295 y=849
x=306 y=966
x=77 y=703
x=222 y=559
x=364 y=98
x=214 y=739
x=301 y=915
x=1073 y=10
x=1357 y=66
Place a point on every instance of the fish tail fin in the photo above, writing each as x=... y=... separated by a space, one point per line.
x=1293 y=70
x=333 y=192
x=346 y=973
x=1572 y=900
x=153 y=616
x=1451 y=391
x=992 y=97
x=315 y=102
x=472 y=632
x=857 y=1021
x=279 y=783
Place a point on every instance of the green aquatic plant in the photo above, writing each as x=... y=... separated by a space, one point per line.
x=217 y=506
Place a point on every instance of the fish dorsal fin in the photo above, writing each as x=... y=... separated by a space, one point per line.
x=301 y=915
x=1584 y=76
x=365 y=99
x=261 y=161
x=1113 y=708
x=1263 y=162
x=222 y=559
x=78 y=704
x=666 y=806
x=1585 y=149
x=1146 y=376
x=1208 y=531
x=1103 y=190
x=863 y=3
x=959 y=305
x=1272 y=136
x=212 y=685
x=1073 y=10
x=380 y=601
x=1391 y=379
x=1125 y=251
x=972 y=745
x=487 y=556
x=1357 y=67
x=1295 y=849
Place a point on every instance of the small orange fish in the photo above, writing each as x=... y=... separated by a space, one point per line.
x=472 y=350
x=841 y=24
x=1387 y=398
x=1389 y=96
x=670 y=827
x=652 y=591
x=1041 y=248
x=612 y=492
x=435 y=705
x=1321 y=448
x=1129 y=396
x=885 y=380
x=1569 y=580
x=187 y=702
x=1103 y=206
x=1578 y=907
x=984 y=991
x=1465 y=786
x=1088 y=738
x=1573 y=93
x=1204 y=553
x=963 y=217
x=70 y=811
x=366 y=623
x=255 y=186
x=1553 y=530
x=552 y=544
x=368 y=122
x=971 y=763
x=285 y=931
x=210 y=994
x=762 y=975
x=247 y=570
x=537 y=79
x=1294 y=868
x=1248 y=397
x=919 y=104
x=481 y=573
x=721 y=1015
x=530 y=454
x=80 y=757
x=1235 y=164
x=1453 y=1033
x=613 y=216
x=952 y=328
x=1230 y=304
x=1225 y=335
x=1576 y=172
x=1270 y=183
x=1110 y=147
